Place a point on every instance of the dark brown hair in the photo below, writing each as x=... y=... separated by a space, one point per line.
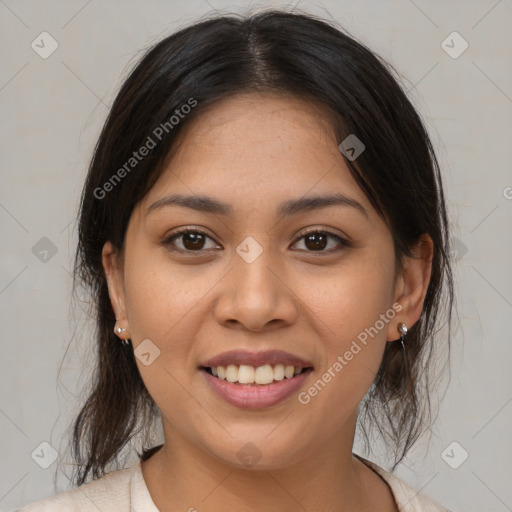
x=270 y=52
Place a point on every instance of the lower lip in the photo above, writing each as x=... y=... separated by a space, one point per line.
x=255 y=397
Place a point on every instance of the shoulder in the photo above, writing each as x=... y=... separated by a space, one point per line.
x=110 y=492
x=407 y=498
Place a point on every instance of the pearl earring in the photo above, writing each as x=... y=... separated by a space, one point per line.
x=120 y=330
x=402 y=329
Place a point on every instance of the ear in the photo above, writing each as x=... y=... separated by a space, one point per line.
x=411 y=285
x=113 y=267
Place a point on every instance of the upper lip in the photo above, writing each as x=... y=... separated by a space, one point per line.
x=256 y=359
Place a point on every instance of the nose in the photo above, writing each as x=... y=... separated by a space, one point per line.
x=256 y=296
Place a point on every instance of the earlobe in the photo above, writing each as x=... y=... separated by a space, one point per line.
x=114 y=276
x=412 y=285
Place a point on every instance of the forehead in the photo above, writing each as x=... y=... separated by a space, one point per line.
x=243 y=110
x=257 y=148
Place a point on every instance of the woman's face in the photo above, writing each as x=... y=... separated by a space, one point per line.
x=255 y=283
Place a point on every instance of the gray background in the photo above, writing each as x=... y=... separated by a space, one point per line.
x=51 y=113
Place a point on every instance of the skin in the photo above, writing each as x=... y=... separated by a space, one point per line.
x=254 y=152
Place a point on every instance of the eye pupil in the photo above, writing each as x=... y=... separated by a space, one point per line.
x=196 y=240
x=321 y=241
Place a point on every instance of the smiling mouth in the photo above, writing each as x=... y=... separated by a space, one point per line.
x=247 y=375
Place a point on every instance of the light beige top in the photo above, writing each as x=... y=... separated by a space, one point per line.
x=126 y=491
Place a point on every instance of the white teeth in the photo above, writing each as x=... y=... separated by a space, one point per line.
x=264 y=374
x=289 y=371
x=279 y=372
x=246 y=374
x=231 y=373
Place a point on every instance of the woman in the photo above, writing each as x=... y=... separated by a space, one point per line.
x=263 y=230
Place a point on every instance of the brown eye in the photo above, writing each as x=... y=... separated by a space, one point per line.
x=315 y=241
x=191 y=241
x=318 y=241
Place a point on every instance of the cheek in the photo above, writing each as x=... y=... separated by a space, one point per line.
x=350 y=299
x=167 y=303
x=351 y=310
x=163 y=304
x=160 y=296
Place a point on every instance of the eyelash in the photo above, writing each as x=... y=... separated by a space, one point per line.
x=169 y=241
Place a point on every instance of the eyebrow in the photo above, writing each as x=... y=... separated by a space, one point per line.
x=291 y=207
